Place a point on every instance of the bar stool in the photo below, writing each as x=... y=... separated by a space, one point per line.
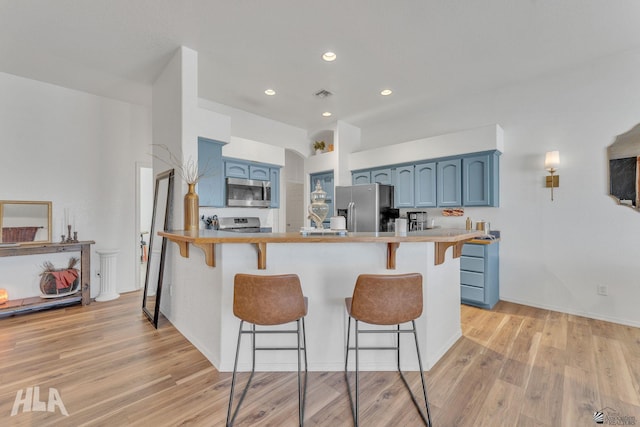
x=268 y=301
x=385 y=300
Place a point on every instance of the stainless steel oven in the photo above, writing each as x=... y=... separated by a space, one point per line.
x=248 y=193
x=240 y=225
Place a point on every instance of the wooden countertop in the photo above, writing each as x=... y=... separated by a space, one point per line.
x=207 y=239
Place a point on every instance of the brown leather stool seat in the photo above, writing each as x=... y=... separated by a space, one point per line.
x=385 y=300
x=268 y=301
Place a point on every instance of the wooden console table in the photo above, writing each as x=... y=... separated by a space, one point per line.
x=37 y=303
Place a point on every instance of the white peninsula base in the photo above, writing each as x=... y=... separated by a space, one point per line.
x=328 y=273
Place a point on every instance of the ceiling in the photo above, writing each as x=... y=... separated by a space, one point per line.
x=426 y=51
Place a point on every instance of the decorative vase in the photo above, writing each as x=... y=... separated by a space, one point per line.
x=318 y=209
x=191 y=204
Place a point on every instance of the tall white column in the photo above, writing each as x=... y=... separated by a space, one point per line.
x=108 y=274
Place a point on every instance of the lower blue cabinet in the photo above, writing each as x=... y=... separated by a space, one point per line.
x=479 y=274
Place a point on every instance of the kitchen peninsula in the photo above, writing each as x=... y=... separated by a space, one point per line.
x=328 y=266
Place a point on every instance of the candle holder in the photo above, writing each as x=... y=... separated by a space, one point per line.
x=68 y=238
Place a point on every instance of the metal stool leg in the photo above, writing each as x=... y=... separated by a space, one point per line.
x=346 y=373
x=424 y=384
x=230 y=418
x=302 y=393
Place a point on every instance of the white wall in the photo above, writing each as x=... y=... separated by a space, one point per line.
x=80 y=152
x=256 y=128
x=554 y=254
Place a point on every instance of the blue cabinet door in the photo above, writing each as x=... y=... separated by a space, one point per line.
x=274 y=174
x=425 y=185
x=404 y=187
x=235 y=169
x=382 y=176
x=362 y=177
x=449 y=180
x=211 y=186
x=480 y=183
x=261 y=173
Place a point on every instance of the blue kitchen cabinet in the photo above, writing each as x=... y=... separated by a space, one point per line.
x=211 y=186
x=480 y=180
x=449 y=182
x=479 y=274
x=326 y=181
x=404 y=186
x=274 y=177
x=382 y=176
x=236 y=169
x=258 y=172
x=373 y=176
x=361 y=177
x=425 y=185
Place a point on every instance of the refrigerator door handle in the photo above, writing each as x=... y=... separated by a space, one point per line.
x=351 y=210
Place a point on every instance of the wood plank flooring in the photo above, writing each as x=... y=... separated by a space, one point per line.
x=514 y=366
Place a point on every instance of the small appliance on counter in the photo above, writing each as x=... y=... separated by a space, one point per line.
x=417 y=220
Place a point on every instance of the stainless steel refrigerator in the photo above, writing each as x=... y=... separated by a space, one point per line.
x=367 y=207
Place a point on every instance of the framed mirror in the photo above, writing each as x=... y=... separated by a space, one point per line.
x=161 y=218
x=624 y=168
x=25 y=222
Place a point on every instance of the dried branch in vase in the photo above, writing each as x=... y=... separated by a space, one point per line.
x=188 y=170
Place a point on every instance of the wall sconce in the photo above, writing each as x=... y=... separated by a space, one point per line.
x=4 y=296
x=551 y=163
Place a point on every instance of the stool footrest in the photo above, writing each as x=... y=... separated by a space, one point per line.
x=374 y=348
x=279 y=348
x=384 y=331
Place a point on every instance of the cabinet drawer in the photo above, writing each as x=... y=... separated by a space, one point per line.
x=472 y=293
x=473 y=250
x=472 y=264
x=472 y=279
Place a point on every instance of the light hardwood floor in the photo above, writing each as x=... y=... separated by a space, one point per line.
x=514 y=366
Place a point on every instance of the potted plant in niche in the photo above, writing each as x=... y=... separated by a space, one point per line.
x=318 y=146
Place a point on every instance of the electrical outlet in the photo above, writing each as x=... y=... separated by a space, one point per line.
x=602 y=290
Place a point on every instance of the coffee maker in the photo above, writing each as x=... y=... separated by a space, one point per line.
x=417 y=220
x=388 y=216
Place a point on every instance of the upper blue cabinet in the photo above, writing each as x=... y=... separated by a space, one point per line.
x=467 y=180
x=236 y=169
x=449 y=179
x=382 y=176
x=404 y=187
x=260 y=173
x=373 y=176
x=425 y=185
x=480 y=180
x=211 y=186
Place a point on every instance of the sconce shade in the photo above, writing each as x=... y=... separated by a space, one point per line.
x=552 y=160
x=4 y=296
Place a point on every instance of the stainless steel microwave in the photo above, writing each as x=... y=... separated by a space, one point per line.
x=248 y=193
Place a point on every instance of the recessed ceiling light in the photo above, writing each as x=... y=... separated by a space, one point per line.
x=329 y=56
x=270 y=92
x=386 y=92
x=326 y=114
